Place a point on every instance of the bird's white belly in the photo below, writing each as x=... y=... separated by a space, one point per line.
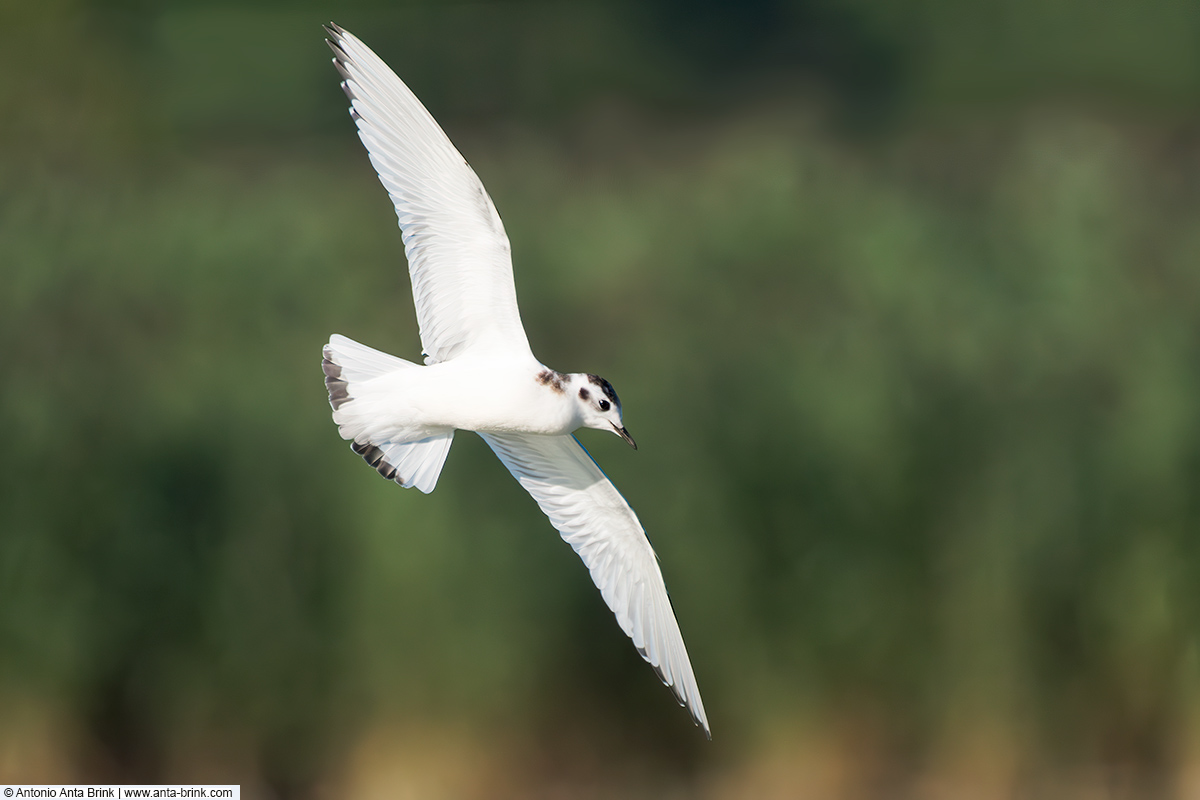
x=426 y=400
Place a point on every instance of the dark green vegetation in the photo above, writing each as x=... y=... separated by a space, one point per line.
x=904 y=307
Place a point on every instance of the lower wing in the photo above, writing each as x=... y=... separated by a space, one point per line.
x=596 y=521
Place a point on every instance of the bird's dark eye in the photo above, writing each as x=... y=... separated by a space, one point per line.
x=604 y=405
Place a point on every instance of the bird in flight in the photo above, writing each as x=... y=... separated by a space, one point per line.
x=480 y=374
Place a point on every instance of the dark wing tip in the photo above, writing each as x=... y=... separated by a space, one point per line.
x=340 y=60
x=338 y=393
x=676 y=692
x=339 y=54
x=337 y=43
x=374 y=456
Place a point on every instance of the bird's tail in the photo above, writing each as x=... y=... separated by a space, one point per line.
x=349 y=368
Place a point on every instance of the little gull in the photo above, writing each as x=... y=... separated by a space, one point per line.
x=480 y=374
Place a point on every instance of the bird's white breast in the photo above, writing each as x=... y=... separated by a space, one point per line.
x=478 y=395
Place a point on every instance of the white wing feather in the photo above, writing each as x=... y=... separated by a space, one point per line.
x=458 y=254
x=595 y=520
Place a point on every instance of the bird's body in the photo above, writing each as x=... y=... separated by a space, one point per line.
x=480 y=374
x=474 y=394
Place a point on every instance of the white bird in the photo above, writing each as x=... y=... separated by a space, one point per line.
x=480 y=374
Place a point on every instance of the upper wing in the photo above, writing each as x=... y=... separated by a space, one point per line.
x=458 y=253
x=594 y=519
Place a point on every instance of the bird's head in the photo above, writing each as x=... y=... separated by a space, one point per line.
x=599 y=406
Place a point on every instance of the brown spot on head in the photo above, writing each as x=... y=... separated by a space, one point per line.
x=605 y=388
x=555 y=380
x=584 y=394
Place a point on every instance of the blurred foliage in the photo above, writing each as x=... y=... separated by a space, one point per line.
x=903 y=303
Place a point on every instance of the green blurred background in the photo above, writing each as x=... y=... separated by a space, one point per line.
x=903 y=301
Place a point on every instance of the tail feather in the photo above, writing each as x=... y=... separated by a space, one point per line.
x=348 y=365
x=410 y=464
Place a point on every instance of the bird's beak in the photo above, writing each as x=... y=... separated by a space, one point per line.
x=624 y=434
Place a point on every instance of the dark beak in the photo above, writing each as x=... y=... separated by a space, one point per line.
x=624 y=434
